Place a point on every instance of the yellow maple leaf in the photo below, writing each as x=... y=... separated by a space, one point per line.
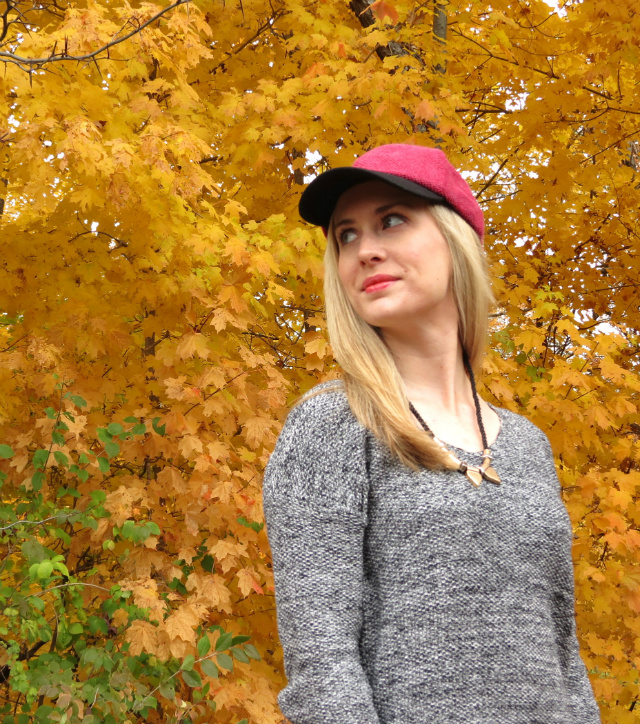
x=181 y=624
x=142 y=637
x=191 y=345
x=247 y=581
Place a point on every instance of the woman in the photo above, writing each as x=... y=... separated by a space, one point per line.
x=421 y=550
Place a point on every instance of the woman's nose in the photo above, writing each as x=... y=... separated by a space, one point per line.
x=370 y=248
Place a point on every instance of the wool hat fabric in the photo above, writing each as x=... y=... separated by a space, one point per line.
x=420 y=170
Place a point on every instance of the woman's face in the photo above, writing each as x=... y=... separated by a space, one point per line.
x=394 y=263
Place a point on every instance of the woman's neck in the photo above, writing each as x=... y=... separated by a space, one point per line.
x=431 y=365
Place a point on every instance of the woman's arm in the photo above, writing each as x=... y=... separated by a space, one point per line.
x=314 y=497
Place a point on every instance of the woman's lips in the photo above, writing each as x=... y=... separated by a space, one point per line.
x=377 y=283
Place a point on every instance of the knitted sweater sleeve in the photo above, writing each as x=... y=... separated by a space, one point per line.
x=314 y=497
x=578 y=684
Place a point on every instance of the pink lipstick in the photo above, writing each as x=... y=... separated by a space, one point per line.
x=377 y=283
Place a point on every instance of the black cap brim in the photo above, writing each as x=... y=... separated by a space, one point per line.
x=320 y=197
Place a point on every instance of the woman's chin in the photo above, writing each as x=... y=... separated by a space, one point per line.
x=390 y=321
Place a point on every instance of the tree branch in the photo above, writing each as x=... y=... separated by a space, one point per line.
x=39 y=62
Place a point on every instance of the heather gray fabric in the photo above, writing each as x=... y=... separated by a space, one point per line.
x=414 y=598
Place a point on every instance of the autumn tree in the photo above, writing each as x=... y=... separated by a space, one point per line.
x=161 y=307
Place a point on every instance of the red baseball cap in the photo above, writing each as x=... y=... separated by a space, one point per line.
x=420 y=170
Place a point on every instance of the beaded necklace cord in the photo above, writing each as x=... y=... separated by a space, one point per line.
x=475 y=475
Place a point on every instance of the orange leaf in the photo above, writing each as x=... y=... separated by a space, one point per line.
x=383 y=9
x=425 y=111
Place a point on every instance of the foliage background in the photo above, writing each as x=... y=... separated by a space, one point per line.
x=160 y=307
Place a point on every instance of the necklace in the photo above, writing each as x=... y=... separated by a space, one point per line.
x=474 y=475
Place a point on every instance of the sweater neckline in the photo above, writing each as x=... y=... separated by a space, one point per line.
x=492 y=445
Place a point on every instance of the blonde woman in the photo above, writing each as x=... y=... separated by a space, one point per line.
x=421 y=550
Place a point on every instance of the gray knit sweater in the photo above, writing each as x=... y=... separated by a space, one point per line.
x=411 y=597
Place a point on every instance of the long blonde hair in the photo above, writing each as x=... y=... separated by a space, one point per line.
x=373 y=385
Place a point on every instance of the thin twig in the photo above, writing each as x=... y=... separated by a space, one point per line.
x=89 y=56
x=66 y=585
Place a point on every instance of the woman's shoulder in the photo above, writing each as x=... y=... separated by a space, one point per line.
x=517 y=421
x=520 y=431
x=321 y=447
x=324 y=410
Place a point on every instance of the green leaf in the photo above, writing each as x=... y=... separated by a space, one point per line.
x=192 y=678
x=533 y=373
x=177 y=585
x=32 y=550
x=37 y=603
x=61 y=458
x=225 y=661
x=150 y=702
x=104 y=435
x=167 y=691
x=63 y=536
x=98 y=496
x=187 y=664
x=76 y=628
x=58 y=438
x=68 y=491
x=90 y=523
x=97 y=625
x=112 y=449
x=77 y=400
x=6 y=451
x=251 y=651
x=131 y=419
x=43 y=714
x=114 y=428
x=44 y=569
x=224 y=641
x=239 y=640
x=60 y=566
x=37 y=479
x=209 y=668
x=40 y=458
x=160 y=429
x=50 y=413
x=239 y=654
x=253 y=525
x=153 y=528
x=83 y=459
x=128 y=529
x=139 y=429
x=204 y=646
x=103 y=464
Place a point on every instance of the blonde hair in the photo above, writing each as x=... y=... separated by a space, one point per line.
x=373 y=385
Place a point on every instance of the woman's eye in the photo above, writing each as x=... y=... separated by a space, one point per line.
x=347 y=236
x=392 y=220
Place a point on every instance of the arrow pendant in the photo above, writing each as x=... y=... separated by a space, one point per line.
x=474 y=476
x=487 y=472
